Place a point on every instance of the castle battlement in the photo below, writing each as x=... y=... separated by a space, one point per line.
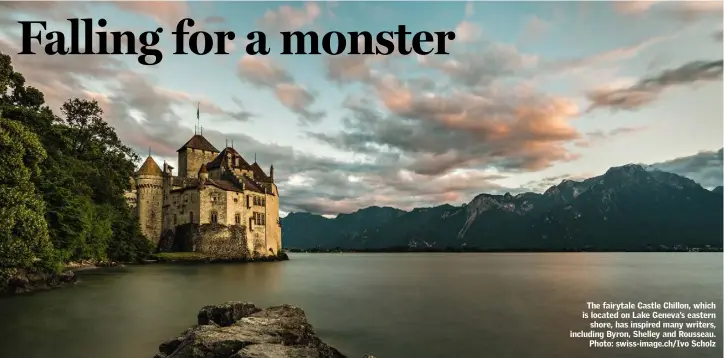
x=212 y=187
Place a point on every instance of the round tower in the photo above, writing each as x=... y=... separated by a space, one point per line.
x=149 y=186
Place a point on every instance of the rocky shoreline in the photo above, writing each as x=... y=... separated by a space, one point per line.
x=24 y=281
x=242 y=330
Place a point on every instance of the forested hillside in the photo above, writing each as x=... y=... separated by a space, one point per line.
x=62 y=177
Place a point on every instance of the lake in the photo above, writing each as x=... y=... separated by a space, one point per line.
x=390 y=305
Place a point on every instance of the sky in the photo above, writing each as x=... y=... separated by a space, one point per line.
x=531 y=93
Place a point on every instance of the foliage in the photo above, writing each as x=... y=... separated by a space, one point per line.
x=64 y=178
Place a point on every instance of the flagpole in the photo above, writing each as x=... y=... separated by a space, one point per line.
x=198 y=109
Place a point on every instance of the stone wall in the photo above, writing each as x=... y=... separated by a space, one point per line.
x=180 y=207
x=215 y=240
x=189 y=161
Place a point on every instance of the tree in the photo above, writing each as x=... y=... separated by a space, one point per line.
x=84 y=174
x=24 y=241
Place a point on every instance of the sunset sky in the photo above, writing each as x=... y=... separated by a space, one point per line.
x=532 y=93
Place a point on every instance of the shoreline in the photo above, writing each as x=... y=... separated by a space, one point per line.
x=25 y=282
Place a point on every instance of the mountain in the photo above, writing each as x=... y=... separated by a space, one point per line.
x=718 y=189
x=626 y=208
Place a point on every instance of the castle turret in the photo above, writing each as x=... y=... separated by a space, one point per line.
x=203 y=174
x=149 y=186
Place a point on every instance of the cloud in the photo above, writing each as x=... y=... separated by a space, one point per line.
x=482 y=67
x=649 y=89
x=469 y=9
x=344 y=69
x=690 y=11
x=467 y=31
x=633 y=7
x=265 y=73
x=288 y=18
x=262 y=71
x=534 y=29
x=685 y=11
x=605 y=57
x=213 y=20
x=48 y=10
x=704 y=167
x=167 y=13
x=298 y=99
x=435 y=134
x=597 y=136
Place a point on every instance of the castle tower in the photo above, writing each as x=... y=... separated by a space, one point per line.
x=149 y=186
x=195 y=152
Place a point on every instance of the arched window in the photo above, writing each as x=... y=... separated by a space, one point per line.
x=191 y=217
x=214 y=217
x=237 y=219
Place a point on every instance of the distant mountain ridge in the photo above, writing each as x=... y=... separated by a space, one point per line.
x=627 y=208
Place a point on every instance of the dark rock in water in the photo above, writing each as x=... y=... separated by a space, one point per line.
x=242 y=330
x=23 y=281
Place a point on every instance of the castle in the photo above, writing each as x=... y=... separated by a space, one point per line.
x=212 y=187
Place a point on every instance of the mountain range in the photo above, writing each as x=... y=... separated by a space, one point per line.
x=628 y=208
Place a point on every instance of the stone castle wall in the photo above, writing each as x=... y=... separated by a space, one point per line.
x=220 y=241
x=189 y=162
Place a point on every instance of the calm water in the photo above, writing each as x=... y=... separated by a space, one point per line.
x=391 y=305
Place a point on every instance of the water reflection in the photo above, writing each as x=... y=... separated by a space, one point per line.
x=392 y=305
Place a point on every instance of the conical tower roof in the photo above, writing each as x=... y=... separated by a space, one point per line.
x=150 y=167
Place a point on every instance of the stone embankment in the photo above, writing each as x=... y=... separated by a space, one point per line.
x=197 y=257
x=242 y=330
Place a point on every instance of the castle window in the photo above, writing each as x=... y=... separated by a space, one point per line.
x=263 y=201
x=174 y=219
x=236 y=200
x=213 y=198
x=259 y=219
x=191 y=217
x=248 y=204
x=214 y=217
x=237 y=219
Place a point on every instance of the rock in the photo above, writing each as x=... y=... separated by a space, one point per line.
x=242 y=330
x=23 y=281
x=225 y=314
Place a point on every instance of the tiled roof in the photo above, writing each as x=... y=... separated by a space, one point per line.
x=149 y=167
x=199 y=142
x=221 y=159
x=228 y=182
x=259 y=174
